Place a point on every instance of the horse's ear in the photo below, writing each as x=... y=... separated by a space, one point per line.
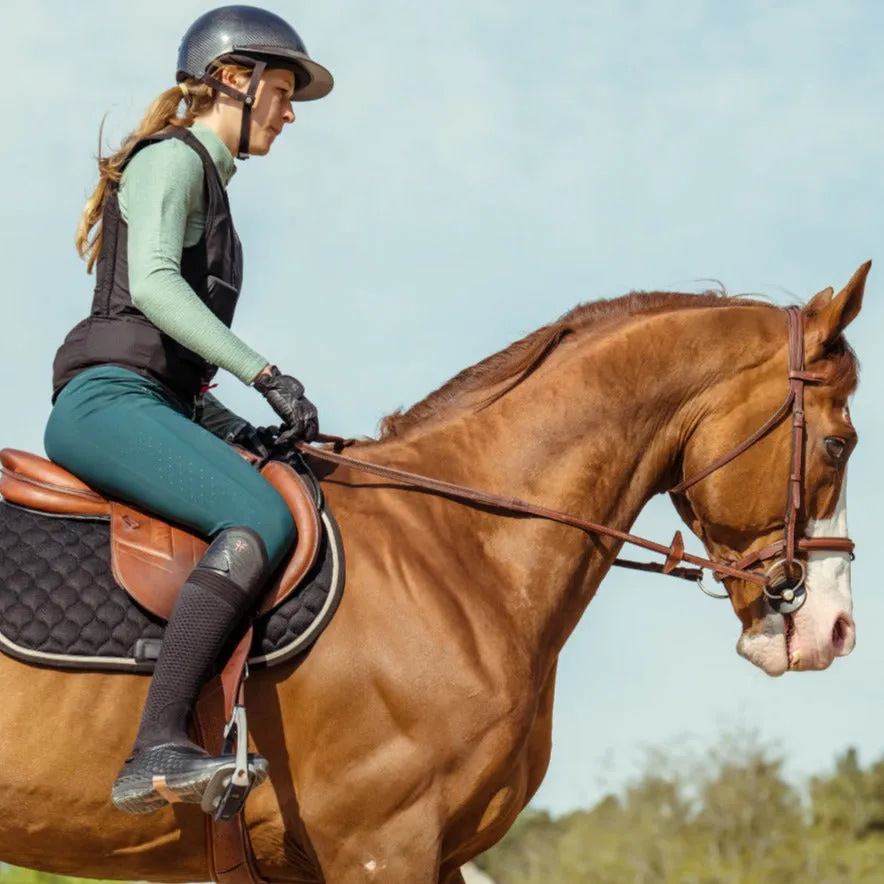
x=827 y=315
x=818 y=301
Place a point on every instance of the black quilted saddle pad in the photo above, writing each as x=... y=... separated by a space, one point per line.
x=60 y=606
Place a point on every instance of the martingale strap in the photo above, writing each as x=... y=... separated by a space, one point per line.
x=674 y=553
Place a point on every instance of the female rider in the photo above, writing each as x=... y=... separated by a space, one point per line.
x=131 y=413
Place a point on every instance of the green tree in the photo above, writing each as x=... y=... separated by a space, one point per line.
x=725 y=816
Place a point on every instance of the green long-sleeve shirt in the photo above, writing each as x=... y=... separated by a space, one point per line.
x=162 y=200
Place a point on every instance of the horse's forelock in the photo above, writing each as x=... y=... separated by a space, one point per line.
x=843 y=372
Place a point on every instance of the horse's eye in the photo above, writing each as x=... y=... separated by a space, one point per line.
x=836 y=448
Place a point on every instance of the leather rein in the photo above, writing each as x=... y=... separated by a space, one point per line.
x=785 y=591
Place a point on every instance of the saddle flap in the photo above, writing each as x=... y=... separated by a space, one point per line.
x=38 y=484
x=151 y=559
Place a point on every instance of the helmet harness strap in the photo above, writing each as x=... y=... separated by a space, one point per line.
x=247 y=98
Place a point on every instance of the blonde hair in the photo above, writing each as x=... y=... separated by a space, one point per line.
x=197 y=97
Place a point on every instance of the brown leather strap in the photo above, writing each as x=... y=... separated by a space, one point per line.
x=234 y=673
x=773 y=421
x=515 y=505
x=798 y=377
x=805 y=544
x=228 y=848
x=656 y=568
x=230 y=856
x=796 y=469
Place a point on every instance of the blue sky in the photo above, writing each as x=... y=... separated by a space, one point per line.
x=478 y=170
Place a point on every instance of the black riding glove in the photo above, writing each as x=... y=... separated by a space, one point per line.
x=286 y=397
x=257 y=440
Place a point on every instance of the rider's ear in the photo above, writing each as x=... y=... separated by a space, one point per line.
x=827 y=315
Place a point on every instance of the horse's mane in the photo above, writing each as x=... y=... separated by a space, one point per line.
x=516 y=362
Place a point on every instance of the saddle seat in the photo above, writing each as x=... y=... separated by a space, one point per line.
x=151 y=558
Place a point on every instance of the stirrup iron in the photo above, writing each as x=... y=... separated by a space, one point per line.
x=226 y=794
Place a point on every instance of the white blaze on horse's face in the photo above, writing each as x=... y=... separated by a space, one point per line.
x=823 y=627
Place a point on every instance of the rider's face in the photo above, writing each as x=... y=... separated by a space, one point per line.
x=272 y=110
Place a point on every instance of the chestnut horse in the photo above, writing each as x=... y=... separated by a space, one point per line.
x=410 y=737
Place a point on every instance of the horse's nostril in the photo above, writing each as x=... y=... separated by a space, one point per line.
x=841 y=632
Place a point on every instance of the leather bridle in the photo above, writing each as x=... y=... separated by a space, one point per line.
x=782 y=583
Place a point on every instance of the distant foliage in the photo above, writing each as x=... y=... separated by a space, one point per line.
x=728 y=817
x=13 y=875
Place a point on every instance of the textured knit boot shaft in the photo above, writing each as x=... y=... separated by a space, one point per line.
x=222 y=589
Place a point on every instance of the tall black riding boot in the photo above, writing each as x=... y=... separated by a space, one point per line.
x=220 y=591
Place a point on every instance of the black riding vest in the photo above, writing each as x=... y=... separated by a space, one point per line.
x=117 y=333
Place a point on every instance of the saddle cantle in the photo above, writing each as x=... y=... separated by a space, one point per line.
x=150 y=558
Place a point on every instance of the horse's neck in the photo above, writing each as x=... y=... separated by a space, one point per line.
x=594 y=432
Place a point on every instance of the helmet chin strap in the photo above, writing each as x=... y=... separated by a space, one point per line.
x=248 y=100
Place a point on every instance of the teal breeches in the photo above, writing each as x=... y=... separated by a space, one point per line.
x=128 y=437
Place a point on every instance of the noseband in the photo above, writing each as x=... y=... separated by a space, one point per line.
x=783 y=583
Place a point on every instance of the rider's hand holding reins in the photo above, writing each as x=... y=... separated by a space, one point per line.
x=286 y=397
x=256 y=440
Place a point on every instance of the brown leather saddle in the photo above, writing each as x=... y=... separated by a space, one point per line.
x=151 y=559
